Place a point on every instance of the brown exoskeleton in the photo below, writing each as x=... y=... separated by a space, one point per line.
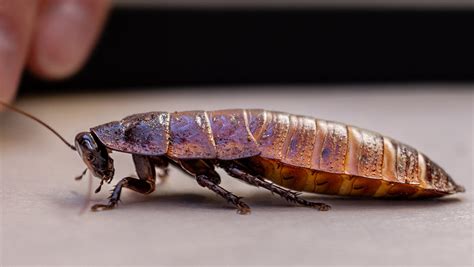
x=274 y=150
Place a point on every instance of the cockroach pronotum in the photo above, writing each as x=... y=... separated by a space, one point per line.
x=280 y=152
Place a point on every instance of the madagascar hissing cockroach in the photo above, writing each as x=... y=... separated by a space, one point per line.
x=278 y=151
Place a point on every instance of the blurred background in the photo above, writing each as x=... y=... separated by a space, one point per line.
x=157 y=43
x=401 y=68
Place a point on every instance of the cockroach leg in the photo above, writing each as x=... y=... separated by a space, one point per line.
x=289 y=195
x=145 y=185
x=114 y=197
x=207 y=177
x=242 y=208
x=140 y=186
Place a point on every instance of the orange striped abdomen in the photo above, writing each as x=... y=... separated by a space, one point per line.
x=308 y=180
x=313 y=155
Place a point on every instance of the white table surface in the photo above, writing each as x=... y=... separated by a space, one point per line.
x=184 y=224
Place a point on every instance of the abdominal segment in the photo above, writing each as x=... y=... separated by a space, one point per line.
x=321 y=182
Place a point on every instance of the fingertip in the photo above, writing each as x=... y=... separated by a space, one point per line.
x=16 y=23
x=64 y=36
x=10 y=65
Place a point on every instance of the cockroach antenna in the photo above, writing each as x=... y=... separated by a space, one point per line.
x=8 y=106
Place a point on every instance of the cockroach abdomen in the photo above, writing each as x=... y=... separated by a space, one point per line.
x=232 y=135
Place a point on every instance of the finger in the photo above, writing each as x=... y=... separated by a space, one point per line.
x=16 y=24
x=65 y=33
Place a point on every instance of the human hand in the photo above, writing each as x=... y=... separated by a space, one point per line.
x=52 y=38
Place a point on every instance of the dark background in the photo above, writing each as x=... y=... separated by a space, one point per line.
x=163 y=47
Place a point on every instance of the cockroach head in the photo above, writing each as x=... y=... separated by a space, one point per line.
x=95 y=156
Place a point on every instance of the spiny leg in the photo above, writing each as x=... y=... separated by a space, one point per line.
x=207 y=177
x=289 y=195
x=144 y=185
x=242 y=207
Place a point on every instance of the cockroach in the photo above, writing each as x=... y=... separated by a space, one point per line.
x=283 y=153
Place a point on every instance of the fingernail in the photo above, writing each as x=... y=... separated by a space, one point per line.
x=65 y=35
